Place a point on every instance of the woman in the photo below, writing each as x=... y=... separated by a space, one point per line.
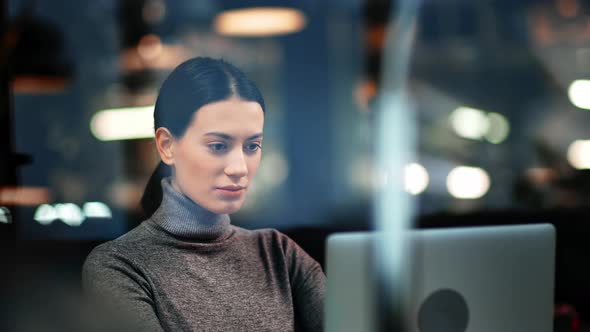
x=186 y=268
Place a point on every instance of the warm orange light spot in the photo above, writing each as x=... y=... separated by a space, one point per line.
x=25 y=196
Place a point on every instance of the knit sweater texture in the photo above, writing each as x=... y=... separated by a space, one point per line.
x=187 y=269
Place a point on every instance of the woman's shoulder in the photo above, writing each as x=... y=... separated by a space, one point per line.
x=123 y=246
x=295 y=256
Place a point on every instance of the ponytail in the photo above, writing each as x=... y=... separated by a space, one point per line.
x=152 y=195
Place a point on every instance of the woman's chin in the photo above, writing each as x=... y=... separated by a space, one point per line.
x=227 y=208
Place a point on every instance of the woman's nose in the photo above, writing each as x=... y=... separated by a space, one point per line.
x=236 y=166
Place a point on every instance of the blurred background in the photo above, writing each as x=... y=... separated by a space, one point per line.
x=500 y=91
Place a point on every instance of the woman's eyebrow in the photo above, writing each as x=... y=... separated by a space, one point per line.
x=220 y=135
x=230 y=138
x=255 y=136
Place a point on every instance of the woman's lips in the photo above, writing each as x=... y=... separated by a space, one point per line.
x=232 y=188
x=232 y=192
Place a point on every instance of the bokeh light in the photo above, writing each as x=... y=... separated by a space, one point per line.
x=45 y=214
x=149 y=47
x=96 y=210
x=578 y=154
x=261 y=21
x=469 y=122
x=70 y=214
x=123 y=123
x=499 y=128
x=579 y=93
x=416 y=178
x=468 y=182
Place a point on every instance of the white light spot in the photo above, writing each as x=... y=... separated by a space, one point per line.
x=579 y=93
x=45 y=214
x=5 y=215
x=416 y=178
x=468 y=182
x=578 y=154
x=469 y=122
x=123 y=123
x=499 y=128
x=97 y=210
x=70 y=214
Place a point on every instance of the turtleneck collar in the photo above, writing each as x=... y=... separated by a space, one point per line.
x=182 y=217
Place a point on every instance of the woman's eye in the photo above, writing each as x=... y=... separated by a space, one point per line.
x=253 y=147
x=217 y=147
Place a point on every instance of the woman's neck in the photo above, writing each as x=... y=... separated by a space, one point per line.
x=182 y=217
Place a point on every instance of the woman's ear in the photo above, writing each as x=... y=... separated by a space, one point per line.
x=165 y=143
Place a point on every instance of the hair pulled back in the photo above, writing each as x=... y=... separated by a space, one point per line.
x=190 y=86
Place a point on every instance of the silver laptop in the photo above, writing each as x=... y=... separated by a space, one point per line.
x=480 y=279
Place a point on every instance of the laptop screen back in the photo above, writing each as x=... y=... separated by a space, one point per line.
x=479 y=279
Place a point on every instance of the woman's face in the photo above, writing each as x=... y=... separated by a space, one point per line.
x=218 y=156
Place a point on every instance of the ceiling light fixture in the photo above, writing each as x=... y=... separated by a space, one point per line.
x=259 y=22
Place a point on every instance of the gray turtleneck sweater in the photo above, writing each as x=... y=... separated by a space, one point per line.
x=187 y=269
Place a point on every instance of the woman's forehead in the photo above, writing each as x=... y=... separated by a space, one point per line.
x=233 y=117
